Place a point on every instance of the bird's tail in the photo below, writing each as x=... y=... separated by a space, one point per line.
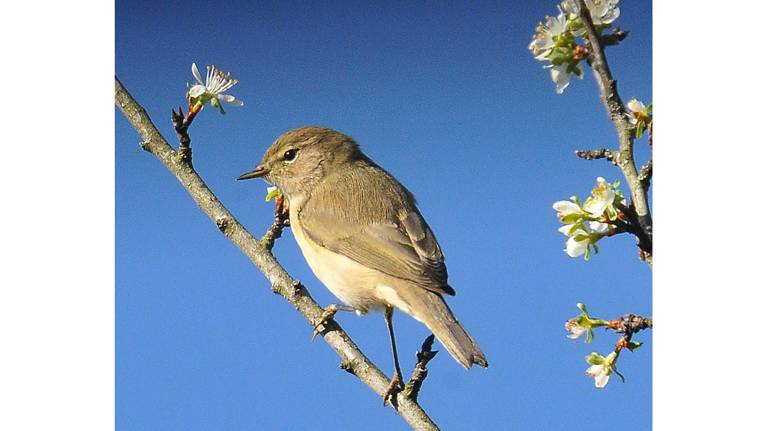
x=431 y=309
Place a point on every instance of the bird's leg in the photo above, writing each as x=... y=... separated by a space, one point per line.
x=396 y=384
x=327 y=315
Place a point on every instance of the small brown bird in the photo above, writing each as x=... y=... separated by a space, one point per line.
x=362 y=235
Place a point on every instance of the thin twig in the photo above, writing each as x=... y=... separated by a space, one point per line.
x=633 y=225
x=420 y=371
x=282 y=283
x=628 y=325
x=615 y=37
x=280 y=221
x=600 y=153
x=181 y=124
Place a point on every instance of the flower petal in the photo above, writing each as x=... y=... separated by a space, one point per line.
x=566 y=229
x=569 y=7
x=196 y=73
x=560 y=77
x=598 y=227
x=230 y=99
x=576 y=248
x=635 y=105
x=197 y=90
x=566 y=207
x=595 y=370
x=601 y=380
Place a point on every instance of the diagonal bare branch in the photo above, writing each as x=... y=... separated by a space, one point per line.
x=353 y=360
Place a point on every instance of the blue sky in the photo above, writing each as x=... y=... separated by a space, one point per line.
x=451 y=102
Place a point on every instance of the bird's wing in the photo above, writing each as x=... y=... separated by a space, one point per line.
x=379 y=228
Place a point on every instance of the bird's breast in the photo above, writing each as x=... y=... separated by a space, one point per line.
x=354 y=284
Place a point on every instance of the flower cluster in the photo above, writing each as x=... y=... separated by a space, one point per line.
x=585 y=224
x=555 y=39
x=640 y=116
x=212 y=90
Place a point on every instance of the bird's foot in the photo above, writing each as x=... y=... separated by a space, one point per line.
x=395 y=386
x=327 y=315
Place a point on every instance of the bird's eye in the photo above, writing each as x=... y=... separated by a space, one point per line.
x=289 y=155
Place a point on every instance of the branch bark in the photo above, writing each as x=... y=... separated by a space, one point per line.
x=629 y=325
x=177 y=162
x=625 y=158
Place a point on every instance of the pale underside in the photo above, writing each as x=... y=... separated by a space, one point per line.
x=360 y=287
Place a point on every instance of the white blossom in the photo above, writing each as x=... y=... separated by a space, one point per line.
x=560 y=76
x=601 y=199
x=635 y=105
x=602 y=12
x=575 y=330
x=566 y=208
x=637 y=112
x=546 y=36
x=601 y=373
x=577 y=242
x=601 y=367
x=216 y=83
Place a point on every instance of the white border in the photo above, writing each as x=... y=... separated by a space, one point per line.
x=57 y=217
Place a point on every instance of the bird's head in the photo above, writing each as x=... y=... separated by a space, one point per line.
x=300 y=159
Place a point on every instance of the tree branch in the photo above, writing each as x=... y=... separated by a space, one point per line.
x=425 y=355
x=353 y=360
x=618 y=114
x=600 y=153
x=629 y=325
x=645 y=174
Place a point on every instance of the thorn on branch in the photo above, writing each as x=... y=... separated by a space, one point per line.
x=601 y=153
x=420 y=372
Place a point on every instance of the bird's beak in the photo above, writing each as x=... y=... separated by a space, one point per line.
x=260 y=171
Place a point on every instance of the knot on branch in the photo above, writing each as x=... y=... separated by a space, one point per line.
x=223 y=224
x=297 y=288
x=348 y=366
x=630 y=323
x=644 y=176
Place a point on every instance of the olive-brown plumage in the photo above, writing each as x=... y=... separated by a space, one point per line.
x=362 y=234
